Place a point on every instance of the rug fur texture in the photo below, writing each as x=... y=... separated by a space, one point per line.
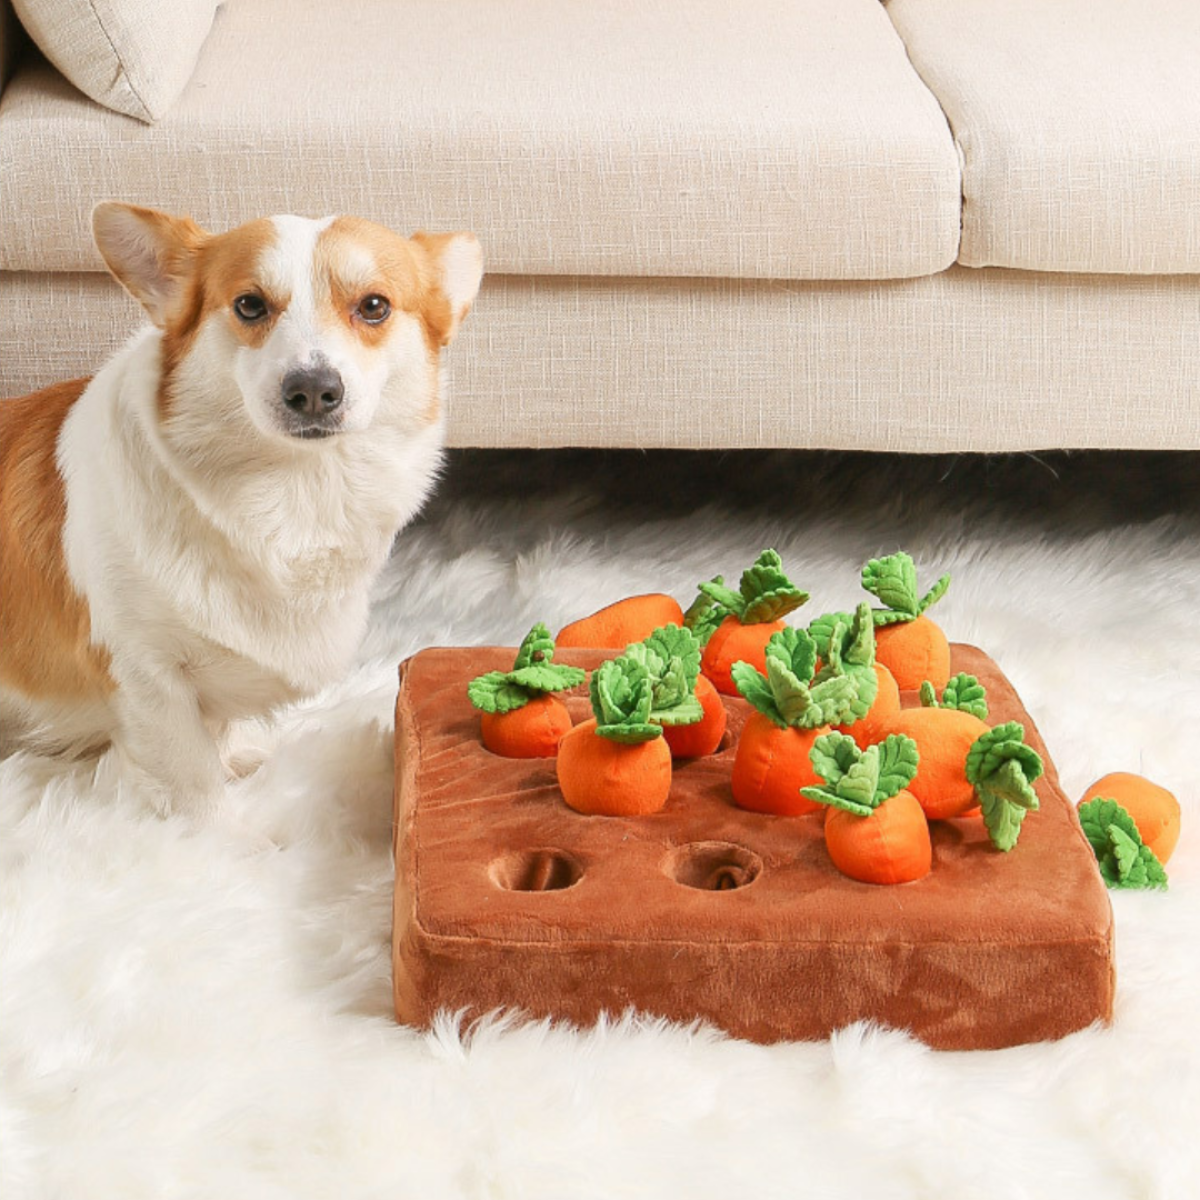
x=208 y=1013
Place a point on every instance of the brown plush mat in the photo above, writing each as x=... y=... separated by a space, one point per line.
x=505 y=898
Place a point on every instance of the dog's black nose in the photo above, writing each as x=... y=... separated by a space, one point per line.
x=312 y=391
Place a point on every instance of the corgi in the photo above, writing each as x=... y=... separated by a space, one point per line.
x=190 y=537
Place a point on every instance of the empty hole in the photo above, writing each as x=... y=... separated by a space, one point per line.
x=713 y=866
x=536 y=871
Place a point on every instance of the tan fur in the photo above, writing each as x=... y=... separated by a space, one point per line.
x=213 y=272
x=46 y=651
x=402 y=274
x=398 y=275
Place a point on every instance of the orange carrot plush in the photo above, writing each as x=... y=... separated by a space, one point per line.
x=791 y=711
x=965 y=762
x=736 y=626
x=626 y=621
x=1153 y=809
x=857 y=652
x=521 y=718
x=875 y=831
x=618 y=764
x=909 y=644
x=1124 y=858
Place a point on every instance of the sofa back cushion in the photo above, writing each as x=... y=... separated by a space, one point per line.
x=133 y=56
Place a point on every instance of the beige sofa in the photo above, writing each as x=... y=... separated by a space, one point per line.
x=930 y=225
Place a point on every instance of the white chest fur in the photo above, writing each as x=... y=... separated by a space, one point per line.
x=246 y=566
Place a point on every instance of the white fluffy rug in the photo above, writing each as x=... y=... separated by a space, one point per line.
x=185 y=1015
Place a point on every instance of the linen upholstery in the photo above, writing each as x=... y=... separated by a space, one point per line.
x=132 y=56
x=1078 y=123
x=784 y=139
x=968 y=360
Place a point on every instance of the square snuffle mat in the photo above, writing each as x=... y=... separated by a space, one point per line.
x=506 y=898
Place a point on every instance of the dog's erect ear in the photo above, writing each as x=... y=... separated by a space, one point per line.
x=457 y=263
x=148 y=251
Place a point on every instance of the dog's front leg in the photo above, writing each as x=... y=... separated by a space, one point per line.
x=165 y=741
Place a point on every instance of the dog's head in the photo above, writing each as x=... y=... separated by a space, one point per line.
x=315 y=327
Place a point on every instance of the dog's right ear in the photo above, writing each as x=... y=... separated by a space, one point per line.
x=148 y=251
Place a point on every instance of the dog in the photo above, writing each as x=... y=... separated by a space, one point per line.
x=190 y=537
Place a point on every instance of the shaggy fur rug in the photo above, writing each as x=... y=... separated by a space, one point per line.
x=190 y=1014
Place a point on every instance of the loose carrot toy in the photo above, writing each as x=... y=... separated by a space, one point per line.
x=857 y=652
x=736 y=626
x=521 y=718
x=909 y=644
x=618 y=763
x=1153 y=809
x=626 y=621
x=964 y=762
x=1125 y=860
x=875 y=830
x=791 y=711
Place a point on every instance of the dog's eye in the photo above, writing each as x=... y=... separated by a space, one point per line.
x=374 y=309
x=250 y=308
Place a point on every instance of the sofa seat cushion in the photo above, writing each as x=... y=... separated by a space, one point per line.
x=785 y=139
x=1078 y=124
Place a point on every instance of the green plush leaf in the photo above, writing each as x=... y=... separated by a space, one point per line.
x=898 y=762
x=1002 y=818
x=934 y=594
x=860 y=782
x=833 y=700
x=928 y=694
x=866 y=688
x=858 y=648
x=1005 y=799
x=965 y=693
x=533 y=675
x=1002 y=744
x=547 y=677
x=1125 y=861
x=894 y=581
x=1002 y=769
x=723 y=597
x=675 y=642
x=791 y=695
x=671 y=658
x=687 y=712
x=821 y=629
x=704 y=614
x=629 y=734
x=785 y=695
x=621 y=693
x=537 y=647
x=832 y=755
x=794 y=650
x=495 y=693
x=829 y=796
x=753 y=687
x=768 y=593
x=856 y=637
x=1124 y=850
x=790 y=656
x=1097 y=815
